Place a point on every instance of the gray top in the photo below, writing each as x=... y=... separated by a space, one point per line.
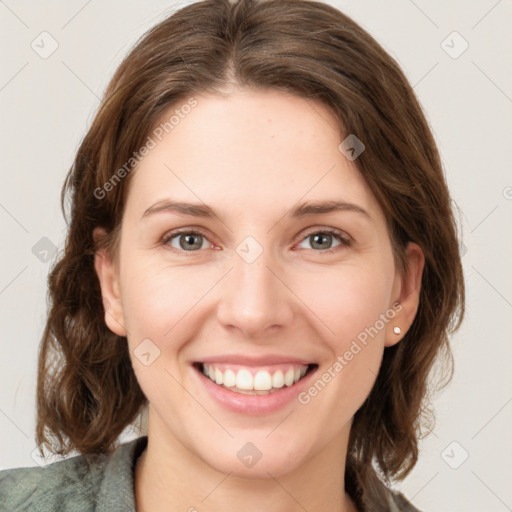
x=95 y=483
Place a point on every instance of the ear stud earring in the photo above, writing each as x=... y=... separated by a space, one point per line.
x=397 y=330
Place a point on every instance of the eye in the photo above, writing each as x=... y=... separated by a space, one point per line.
x=187 y=240
x=322 y=238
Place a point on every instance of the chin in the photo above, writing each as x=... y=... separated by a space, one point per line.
x=255 y=459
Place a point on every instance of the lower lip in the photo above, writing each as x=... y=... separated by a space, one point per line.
x=254 y=404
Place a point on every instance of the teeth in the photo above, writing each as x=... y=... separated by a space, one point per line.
x=288 y=377
x=229 y=379
x=261 y=383
x=244 y=380
x=278 y=379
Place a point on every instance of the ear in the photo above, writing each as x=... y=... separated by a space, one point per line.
x=108 y=275
x=406 y=294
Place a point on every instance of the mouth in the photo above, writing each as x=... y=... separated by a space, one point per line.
x=250 y=380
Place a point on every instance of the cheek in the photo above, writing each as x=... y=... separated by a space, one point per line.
x=347 y=300
x=156 y=298
x=158 y=305
x=339 y=302
x=351 y=305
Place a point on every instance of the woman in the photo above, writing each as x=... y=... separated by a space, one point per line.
x=232 y=143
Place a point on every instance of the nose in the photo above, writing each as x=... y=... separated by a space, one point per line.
x=254 y=297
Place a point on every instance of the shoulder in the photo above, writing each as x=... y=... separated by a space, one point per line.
x=77 y=483
x=54 y=485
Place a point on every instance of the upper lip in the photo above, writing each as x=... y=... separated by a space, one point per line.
x=245 y=360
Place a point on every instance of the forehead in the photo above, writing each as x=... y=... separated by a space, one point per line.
x=249 y=150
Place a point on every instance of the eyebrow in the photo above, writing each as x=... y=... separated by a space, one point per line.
x=303 y=210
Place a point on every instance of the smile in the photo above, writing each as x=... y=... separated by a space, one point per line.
x=253 y=386
x=254 y=381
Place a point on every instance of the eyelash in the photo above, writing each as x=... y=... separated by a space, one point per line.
x=344 y=241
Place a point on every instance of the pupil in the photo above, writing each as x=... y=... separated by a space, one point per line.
x=320 y=237
x=189 y=241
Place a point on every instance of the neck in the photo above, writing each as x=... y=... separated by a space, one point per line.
x=169 y=477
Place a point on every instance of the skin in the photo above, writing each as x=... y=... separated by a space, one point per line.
x=252 y=156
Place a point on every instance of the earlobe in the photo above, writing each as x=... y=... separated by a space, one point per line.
x=407 y=295
x=110 y=290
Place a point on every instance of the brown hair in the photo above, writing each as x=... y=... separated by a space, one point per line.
x=87 y=392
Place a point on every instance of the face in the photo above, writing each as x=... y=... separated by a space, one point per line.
x=259 y=283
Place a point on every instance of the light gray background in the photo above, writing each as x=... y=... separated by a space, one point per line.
x=47 y=105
